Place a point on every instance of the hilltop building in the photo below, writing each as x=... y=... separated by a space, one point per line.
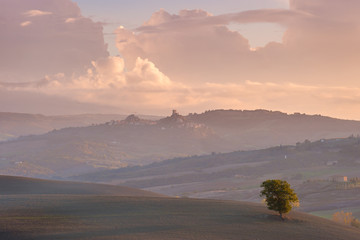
x=175 y=113
x=339 y=179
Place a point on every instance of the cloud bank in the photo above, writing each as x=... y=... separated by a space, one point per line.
x=191 y=60
x=37 y=39
x=320 y=44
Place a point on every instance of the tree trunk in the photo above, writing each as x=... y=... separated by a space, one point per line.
x=282 y=217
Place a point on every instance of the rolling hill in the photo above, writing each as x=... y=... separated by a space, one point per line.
x=10 y=185
x=115 y=144
x=134 y=141
x=13 y=125
x=308 y=166
x=258 y=129
x=113 y=217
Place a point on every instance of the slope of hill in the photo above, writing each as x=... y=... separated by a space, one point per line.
x=258 y=129
x=135 y=141
x=237 y=175
x=114 y=144
x=13 y=125
x=10 y=185
x=109 y=217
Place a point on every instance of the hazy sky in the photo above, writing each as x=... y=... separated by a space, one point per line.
x=128 y=56
x=133 y=13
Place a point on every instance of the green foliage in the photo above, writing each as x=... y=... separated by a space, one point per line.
x=279 y=196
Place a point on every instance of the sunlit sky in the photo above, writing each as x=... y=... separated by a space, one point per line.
x=126 y=56
x=133 y=13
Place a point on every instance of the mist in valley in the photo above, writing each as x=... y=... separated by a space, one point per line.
x=161 y=120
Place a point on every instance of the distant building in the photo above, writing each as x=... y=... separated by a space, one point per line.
x=331 y=163
x=339 y=179
x=175 y=113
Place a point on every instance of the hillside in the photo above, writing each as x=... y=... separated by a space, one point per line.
x=109 y=217
x=135 y=141
x=13 y=125
x=259 y=129
x=10 y=185
x=308 y=166
x=115 y=144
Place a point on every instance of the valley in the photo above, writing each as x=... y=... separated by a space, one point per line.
x=308 y=166
x=137 y=142
x=188 y=158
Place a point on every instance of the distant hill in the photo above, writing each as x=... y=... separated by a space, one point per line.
x=13 y=125
x=249 y=130
x=308 y=166
x=137 y=141
x=10 y=185
x=115 y=144
x=112 y=217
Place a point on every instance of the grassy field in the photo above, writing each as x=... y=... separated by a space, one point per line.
x=115 y=217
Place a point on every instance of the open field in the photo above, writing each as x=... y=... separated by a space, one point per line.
x=29 y=186
x=109 y=217
x=43 y=209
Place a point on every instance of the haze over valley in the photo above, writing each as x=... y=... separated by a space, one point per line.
x=182 y=119
x=134 y=141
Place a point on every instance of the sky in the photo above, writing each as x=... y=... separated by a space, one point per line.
x=149 y=57
x=133 y=13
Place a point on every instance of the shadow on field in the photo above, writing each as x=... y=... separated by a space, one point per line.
x=111 y=232
x=6 y=235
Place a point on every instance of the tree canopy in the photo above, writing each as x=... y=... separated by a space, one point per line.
x=279 y=196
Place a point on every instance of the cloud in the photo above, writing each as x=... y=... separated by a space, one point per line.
x=22 y=100
x=109 y=73
x=36 y=40
x=319 y=50
x=186 y=53
x=194 y=46
x=26 y=23
x=107 y=83
x=163 y=21
x=70 y=20
x=191 y=61
x=312 y=99
x=148 y=77
x=36 y=13
x=107 y=86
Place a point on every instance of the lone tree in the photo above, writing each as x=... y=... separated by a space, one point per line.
x=279 y=196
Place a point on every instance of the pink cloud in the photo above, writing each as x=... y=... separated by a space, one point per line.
x=186 y=53
x=321 y=43
x=36 y=40
x=36 y=13
x=26 y=23
x=191 y=61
